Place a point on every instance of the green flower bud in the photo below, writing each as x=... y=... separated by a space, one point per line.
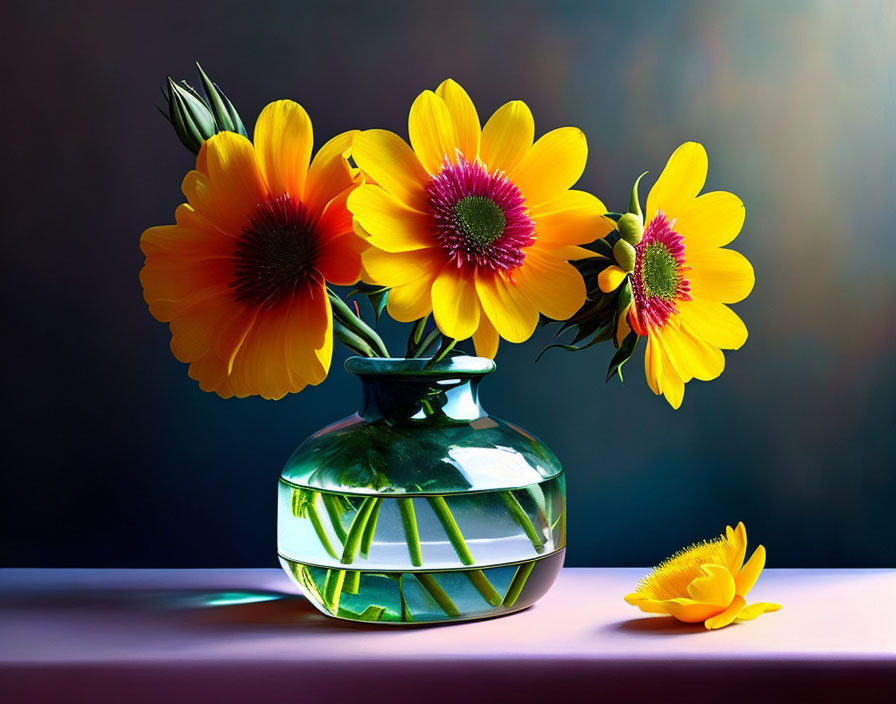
x=189 y=115
x=630 y=227
x=624 y=254
x=226 y=117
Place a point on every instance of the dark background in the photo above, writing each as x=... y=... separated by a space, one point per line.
x=112 y=456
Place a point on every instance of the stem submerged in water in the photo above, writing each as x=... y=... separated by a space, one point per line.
x=484 y=587
x=429 y=583
x=522 y=518
x=452 y=530
x=412 y=534
x=359 y=524
x=517 y=584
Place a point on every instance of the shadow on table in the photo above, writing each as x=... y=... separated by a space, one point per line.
x=245 y=609
x=655 y=625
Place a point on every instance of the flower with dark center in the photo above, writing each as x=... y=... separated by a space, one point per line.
x=241 y=277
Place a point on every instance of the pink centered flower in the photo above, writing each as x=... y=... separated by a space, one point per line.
x=481 y=218
x=658 y=284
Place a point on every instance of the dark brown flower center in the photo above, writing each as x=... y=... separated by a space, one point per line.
x=276 y=253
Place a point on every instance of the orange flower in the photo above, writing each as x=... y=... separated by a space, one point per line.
x=241 y=278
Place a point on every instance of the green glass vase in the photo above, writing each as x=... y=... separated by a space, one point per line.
x=421 y=508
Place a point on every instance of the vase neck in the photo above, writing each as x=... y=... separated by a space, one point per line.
x=406 y=390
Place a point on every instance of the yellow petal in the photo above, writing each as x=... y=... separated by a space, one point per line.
x=716 y=588
x=691 y=611
x=486 y=338
x=329 y=173
x=513 y=316
x=553 y=164
x=653 y=365
x=748 y=613
x=552 y=285
x=413 y=300
x=611 y=278
x=398 y=268
x=283 y=139
x=455 y=305
x=507 y=136
x=672 y=383
x=679 y=183
x=713 y=322
x=571 y=219
x=727 y=616
x=391 y=163
x=720 y=275
x=622 y=326
x=713 y=220
x=737 y=546
x=234 y=179
x=646 y=603
x=573 y=253
x=463 y=117
x=431 y=131
x=691 y=358
x=388 y=223
x=746 y=578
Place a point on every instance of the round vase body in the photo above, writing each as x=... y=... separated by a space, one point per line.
x=421 y=508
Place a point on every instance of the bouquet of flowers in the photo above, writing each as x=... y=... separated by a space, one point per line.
x=470 y=233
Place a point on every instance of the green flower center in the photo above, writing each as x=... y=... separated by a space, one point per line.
x=659 y=271
x=480 y=219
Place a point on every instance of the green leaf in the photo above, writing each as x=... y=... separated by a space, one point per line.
x=623 y=354
x=600 y=337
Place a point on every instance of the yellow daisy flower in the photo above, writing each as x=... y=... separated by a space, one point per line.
x=706 y=582
x=241 y=277
x=682 y=277
x=475 y=224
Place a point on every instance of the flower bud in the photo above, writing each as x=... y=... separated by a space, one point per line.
x=189 y=115
x=624 y=253
x=630 y=228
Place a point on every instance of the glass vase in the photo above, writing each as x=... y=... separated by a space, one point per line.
x=421 y=508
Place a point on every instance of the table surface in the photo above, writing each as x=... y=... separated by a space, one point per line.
x=245 y=633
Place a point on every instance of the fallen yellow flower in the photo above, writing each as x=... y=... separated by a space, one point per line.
x=706 y=582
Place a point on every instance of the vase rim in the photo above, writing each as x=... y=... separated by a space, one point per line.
x=461 y=365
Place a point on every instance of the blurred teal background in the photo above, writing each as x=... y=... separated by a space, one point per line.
x=114 y=457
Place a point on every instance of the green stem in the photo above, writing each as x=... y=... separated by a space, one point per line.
x=522 y=518
x=314 y=516
x=405 y=611
x=416 y=335
x=517 y=584
x=447 y=345
x=412 y=535
x=446 y=518
x=370 y=528
x=333 y=511
x=359 y=523
x=429 y=583
x=372 y=613
x=427 y=342
x=352 y=341
x=347 y=317
x=352 y=582
x=484 y=586
x=333 y=589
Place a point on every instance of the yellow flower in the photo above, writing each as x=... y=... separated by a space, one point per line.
x=706 y=582
x=241 y=278
x=682 y=277
x=475 y=224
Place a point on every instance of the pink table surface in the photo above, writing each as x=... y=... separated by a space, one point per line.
x=245 y=635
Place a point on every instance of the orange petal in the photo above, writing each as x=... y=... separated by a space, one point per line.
x=329 y=173
x=283 y=139
x=388 y=222
x=235 y=181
